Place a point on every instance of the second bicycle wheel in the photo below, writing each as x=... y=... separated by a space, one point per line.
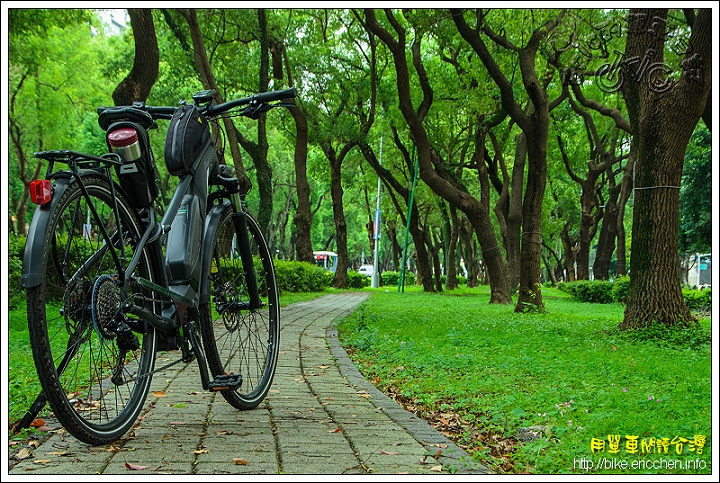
x=239 y=340
x=94 y=363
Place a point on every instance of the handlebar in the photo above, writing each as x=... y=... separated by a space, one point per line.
x=254 y=100
x=146 y=115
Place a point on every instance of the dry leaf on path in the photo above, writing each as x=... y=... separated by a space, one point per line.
x=436 y=468
x=23 y=453
x=159 y=394
x=388 y=452
x=134 y=467
x=240 y=461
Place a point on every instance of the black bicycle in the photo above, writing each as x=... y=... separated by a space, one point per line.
x=111 y=281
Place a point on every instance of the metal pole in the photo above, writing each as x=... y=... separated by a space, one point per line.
x=375 y=282
x=401 y=281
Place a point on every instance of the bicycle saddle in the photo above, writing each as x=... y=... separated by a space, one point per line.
x=110 y=115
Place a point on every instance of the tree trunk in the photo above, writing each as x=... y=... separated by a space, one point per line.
x=138 y=83
x=336 y=192
x=451 y=282
x=663 y=123
x=608 y=230
x=263 y=170
x=529 y=293
x=394 y=245
x=468 y=249
x=303 y=216
x=422 y=258
x=568 y=254
x=514 y=216
x=625 y=190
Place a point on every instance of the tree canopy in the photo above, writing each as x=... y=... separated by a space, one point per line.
x=525 y=125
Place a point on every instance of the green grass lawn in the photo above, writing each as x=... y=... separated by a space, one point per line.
x=489 y=371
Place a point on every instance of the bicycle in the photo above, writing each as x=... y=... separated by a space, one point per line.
x=109 y=285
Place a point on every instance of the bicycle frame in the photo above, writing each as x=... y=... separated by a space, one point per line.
x=188 y=245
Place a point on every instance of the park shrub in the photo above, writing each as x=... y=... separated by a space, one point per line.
x=357 y=280
x=697 y=300
x=596 y=291
x=16 y=249
x=620 y=288
x=605 y=292
x=294 y=276
x=391 y=279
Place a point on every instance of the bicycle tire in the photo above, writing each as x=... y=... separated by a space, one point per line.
x=72 y=312
x=237 y=340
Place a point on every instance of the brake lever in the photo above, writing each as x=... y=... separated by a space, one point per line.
x=253 y=111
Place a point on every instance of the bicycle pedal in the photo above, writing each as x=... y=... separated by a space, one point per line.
x=225 y=382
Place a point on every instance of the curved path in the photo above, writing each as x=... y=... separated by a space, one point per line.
x=321 y=417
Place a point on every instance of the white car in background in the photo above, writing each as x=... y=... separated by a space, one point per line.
x=367 y=270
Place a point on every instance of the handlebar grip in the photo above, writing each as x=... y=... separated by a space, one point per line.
x=274 y=95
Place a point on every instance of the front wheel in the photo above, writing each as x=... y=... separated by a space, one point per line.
x=237 y=339
x=93 y=362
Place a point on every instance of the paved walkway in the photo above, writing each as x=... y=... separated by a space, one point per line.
x=321 y=417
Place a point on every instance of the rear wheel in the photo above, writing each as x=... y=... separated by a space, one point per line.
x=238 y=340
x=94 y=363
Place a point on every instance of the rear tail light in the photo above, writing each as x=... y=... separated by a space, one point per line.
x=40 y=191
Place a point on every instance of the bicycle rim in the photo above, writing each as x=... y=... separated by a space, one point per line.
x=95 y=378
x=238 y=340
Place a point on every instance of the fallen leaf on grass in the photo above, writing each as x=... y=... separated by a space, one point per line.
x=159 y=394
x=134 y=467
x=200 y=451
x=337 y=430
x=224 y=432
x=240 y=461
x=436 y=468
x=388 y=452
x=324 y=366
x=41 y=462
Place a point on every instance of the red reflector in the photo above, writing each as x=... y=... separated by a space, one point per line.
x=40 y=191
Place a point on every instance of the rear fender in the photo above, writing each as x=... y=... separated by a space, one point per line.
x=33 y=267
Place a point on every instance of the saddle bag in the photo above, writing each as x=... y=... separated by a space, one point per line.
x=187 y=137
